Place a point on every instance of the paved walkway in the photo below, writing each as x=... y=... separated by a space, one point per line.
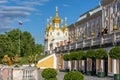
x=61 y=76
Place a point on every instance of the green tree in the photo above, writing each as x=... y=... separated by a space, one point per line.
x=14 y=36
x=101 y=54
x=73 y=57
x=15 y=40
x=90 y=54
x=80 y=56
x=27 y=44
x=38 y=49
x=115 y=54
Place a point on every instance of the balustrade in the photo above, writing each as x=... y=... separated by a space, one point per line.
x=105 y=39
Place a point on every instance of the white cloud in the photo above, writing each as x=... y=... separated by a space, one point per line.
x=65 y=5
x=3 y=2
x=10 y=13
x=28 y=3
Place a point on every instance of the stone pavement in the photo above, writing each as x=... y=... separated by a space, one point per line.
x=61 y=76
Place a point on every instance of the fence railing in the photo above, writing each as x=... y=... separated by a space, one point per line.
x=105 y=39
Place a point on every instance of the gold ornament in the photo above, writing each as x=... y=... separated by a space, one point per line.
x=92 y=34
x=56 y=18
x=84 y=36
x=115 y=27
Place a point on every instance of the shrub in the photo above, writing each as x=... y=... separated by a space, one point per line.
x=101 y=54
x=49 y=73
x=115 y=52
x=66 y=57
x=73 y=75
x=90 y=53
x=73 y=56
x=81 y=55
x=51 y=79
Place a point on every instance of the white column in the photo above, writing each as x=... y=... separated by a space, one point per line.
x=114 y=66
x=76 y=65
x=102 y=65
x=69 y=65
x=83 y=43
x=83 y=66
x=92 y=42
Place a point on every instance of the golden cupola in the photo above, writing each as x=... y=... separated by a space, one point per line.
x=56 y=19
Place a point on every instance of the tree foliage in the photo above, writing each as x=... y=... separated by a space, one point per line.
x=101 y=54
x=12 y=41
x=73 y=56
x=81 y=55
x=115 y=52
x=90 y=53
x=66 y=57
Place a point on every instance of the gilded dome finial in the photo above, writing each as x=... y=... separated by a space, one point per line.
x=56 y=11
x=56 y=18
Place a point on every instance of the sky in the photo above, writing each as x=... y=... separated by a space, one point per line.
x=34 y=14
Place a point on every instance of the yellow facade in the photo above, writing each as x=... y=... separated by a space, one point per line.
x=47 y=63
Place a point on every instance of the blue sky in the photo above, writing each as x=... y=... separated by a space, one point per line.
x=34 y=14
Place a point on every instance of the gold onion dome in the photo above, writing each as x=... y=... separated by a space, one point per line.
x=56 y=19
x=50 y=26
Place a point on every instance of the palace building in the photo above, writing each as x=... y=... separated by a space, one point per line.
x=97 y=28
x=56 y=33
